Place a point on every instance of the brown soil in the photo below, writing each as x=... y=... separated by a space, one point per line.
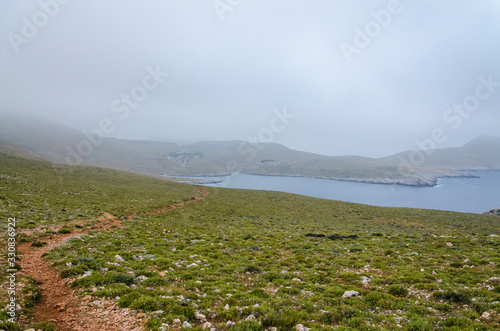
x=62 y=305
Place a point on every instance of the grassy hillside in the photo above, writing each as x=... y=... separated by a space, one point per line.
x=51 y=142
x=258 y=259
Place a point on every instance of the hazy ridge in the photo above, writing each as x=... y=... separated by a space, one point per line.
x=57 y=143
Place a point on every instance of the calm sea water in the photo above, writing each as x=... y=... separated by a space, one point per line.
x=472 y=195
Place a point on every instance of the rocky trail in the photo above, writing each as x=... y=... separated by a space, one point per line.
x=63 y=306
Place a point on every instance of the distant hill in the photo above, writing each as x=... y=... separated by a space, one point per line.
x=49 y=141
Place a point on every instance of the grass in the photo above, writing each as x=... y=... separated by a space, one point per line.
x=259 y=259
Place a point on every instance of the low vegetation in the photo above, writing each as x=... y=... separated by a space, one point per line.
x=250 y=260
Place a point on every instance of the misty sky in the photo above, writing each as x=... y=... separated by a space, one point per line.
x=355 y=77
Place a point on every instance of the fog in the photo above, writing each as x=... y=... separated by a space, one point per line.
x=339 y=77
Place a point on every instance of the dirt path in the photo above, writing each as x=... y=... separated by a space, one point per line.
x=62 y=305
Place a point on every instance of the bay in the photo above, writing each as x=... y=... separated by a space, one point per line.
x=471 y=195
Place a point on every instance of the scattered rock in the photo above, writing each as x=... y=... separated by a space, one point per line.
x=29 y=330
x=200 y=317
x=250 y=317
x=449 y=244
x=226 y=307
x=300 y=327
x=493 y=212
x=177 y=321
x=493 y=280
x=485 y=315
x=186 y=325
x=348 y=294
x=118 y=258
x=230 y=324
x=207 y=325
x=365 y=280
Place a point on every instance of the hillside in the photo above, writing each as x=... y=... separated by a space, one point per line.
x=56 y=143
x=239 y=260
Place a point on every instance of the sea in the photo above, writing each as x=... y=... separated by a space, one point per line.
x=468 y=195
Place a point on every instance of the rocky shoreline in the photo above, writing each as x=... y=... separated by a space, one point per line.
x=495 y=212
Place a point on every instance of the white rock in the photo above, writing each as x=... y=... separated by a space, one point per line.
x=192 y=265
x=200 y=317
x=207 y=325
x=186 y=325
x=119 y=258
x=449 y=244
x=229 y=323
x=300 y=327
x=494 y=280
x=485 y=315
x=226 y=307
x=348 y=294
x=365 y=280
x=250 y=317
x=177 y=321
x=29 y=330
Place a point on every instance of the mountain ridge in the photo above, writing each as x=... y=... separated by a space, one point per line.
x=57 y=143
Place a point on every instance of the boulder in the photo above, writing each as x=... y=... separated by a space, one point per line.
x=493 y=212
x=348 y=294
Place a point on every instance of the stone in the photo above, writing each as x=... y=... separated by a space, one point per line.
x=119 y=258
x=449 y=244
x=176 y=321
x=485 y=315
x=348 y=294
x=300 y=327
x=250 y=317
x=207 y=325
x=226 y=307
x=230 y=324
x=186 y=325
x=365 y=280
x=200 y=317
x=493 y=280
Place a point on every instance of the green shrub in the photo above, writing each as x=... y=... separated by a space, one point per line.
x=9 y=326
x=397 y=290
x=64 y=230
x=44 y=326
x=118 y=277
x=37 y=243
x=418 y=323
x=128 y=299
x=452 y=296
x=283 y=319
x=76 y=270
x=32 y=295
x=251 y=325
x=145 y=303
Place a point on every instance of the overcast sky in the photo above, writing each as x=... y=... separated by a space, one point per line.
x=347 y=77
